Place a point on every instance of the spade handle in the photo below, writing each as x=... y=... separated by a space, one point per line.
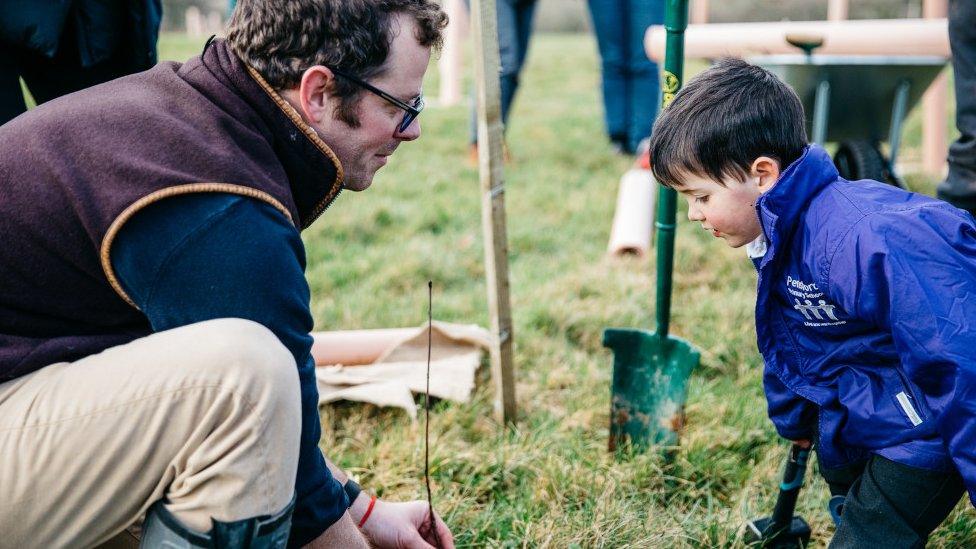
x=675 y=22
x=789 y=489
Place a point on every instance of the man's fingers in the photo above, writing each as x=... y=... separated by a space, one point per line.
x=443 y=532
x=447 y=540
x=416 y=541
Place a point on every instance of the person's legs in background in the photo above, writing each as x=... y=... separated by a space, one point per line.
x=642 y=87
x=50 y=78
x=514 y=19
x=11 y=95
x=959 y=188
x=512 y=61
x=608 y=24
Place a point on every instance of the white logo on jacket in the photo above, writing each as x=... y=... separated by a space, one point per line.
x=808 y=299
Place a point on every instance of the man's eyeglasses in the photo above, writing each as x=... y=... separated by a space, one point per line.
x=410 y=113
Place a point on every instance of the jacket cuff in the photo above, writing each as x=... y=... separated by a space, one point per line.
x=795 y=432
x=316 y=511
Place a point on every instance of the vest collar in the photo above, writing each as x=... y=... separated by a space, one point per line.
x=315 y=174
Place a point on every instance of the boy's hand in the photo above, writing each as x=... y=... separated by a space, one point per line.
x=803 y=443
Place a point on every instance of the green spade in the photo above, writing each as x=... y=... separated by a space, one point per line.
x=651 y=369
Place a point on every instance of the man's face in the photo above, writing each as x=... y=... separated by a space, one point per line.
x=728 y=211
x=364 y=150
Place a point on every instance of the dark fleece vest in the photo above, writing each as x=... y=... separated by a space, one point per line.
x=75 y=169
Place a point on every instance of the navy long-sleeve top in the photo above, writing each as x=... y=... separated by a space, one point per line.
x=198 y=257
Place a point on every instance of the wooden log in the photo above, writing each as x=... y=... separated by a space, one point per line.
x=450 y=63
x=353 y=347
x=699 y=12
x=862 y=37
x=194 y=21
x=935 y=148
x=837 y=10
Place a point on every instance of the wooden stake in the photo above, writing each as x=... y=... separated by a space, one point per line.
x=837 y=10
x=484 y=29
x=935 y=148
x=699 y=12
x=450 y=63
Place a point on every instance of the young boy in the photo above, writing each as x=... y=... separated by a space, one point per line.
x=866 y=307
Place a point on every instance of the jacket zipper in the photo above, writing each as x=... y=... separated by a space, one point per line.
x=322 y=208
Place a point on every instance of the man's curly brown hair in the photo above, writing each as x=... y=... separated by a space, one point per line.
x=283 y=38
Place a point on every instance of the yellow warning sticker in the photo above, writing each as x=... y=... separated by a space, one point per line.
x=669 y=87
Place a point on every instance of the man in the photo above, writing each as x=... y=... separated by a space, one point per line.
x=153 y=306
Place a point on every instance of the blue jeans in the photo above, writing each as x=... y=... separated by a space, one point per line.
x=631 y=89
x=514 y=29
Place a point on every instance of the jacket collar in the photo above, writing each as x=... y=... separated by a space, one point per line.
x=781 y=208
x=314 y=172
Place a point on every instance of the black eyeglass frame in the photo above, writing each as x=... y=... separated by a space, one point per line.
x=411 y=112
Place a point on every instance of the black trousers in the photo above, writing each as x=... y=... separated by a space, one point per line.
x=48 y=78
x=891 y=505
x=959 y=188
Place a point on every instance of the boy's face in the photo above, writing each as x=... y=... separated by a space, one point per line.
x=729 y=211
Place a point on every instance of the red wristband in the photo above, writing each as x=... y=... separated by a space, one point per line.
x=372 y=502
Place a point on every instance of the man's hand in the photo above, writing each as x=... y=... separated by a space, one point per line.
x=406 y=525
x=803 y=443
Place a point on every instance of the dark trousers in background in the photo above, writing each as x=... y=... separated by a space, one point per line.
x=514 y=30
x=890 y=505
x=631 y=88
x=46 y=78
x=959 y=188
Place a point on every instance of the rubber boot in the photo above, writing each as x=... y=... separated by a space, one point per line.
x=162 y=529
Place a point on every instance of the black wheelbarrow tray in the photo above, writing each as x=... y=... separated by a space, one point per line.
x=857 y=101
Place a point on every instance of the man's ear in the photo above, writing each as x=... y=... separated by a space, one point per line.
x=313 y=94
x=766 y=169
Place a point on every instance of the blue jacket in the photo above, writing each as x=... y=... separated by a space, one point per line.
x=866 y=319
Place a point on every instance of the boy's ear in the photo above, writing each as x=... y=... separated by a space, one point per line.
x=766 y=169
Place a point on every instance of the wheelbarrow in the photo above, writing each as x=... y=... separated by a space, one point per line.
x=856 y=101
x=651 y=369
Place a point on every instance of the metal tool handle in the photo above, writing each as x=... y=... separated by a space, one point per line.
x=789 y=489
x=675 y=21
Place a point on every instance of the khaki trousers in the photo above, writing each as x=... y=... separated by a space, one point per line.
x=206 y=416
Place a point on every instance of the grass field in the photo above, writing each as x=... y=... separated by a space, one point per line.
x=549 y=482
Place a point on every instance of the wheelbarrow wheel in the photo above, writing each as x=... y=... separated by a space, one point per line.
x=862 y=159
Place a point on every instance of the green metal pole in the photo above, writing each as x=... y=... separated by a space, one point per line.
x=675 y=21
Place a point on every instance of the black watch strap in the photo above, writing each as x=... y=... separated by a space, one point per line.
x=352 y=490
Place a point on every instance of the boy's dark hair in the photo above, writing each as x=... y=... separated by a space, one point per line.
x=282 y=38
x=724 y=119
